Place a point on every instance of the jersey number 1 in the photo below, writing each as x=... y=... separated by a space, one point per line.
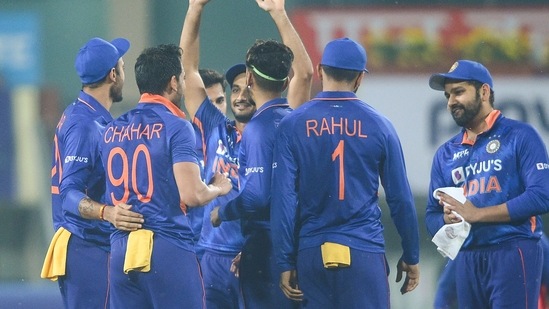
x=338 y=152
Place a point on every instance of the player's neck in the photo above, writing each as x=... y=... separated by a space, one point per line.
x=478 y=125
x=260 y=98
x=101 y=95
x=240 y=126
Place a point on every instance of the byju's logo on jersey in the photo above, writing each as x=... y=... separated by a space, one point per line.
x=76 y=159
x=458 y=176
x=492 y=146
x=542 y=166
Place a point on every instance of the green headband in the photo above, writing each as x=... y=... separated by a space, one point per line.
x=267 y=77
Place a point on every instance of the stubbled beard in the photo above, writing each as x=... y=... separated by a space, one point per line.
x=244 y=118
x=115 y=93
x=469 y=113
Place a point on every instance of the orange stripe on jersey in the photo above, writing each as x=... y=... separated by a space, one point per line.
x=238 y=136
x=58 y=162
x=183 y=207
x=158 y=99
x=490 y=120
x=54 y=190
x=533 y=223
x=198 y=123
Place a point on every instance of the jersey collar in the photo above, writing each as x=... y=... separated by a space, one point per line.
x=94 y=105
x=490 y=121
x=278 y=102
x=335 y=96
x=158 y=99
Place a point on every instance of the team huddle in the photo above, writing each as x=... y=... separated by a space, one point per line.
x=279 y=206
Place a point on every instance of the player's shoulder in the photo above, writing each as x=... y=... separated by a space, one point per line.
x=516 y=128
x=451 y=148
x=515 y=124
x=75 y=117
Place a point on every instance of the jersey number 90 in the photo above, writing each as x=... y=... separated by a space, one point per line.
x=130 y=173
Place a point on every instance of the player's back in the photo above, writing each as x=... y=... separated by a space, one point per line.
x=340 y=146
x=77 y=168
x=139 y=150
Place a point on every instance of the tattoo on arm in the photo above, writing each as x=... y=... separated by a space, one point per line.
x=86 y=208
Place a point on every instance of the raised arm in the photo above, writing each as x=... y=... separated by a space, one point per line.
x=299 y=89
x=195 y=92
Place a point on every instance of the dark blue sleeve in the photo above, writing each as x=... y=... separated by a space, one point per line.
x=399 y=197
x=182 y=140
x=434 y=213
x=534 y=172
x=233 y=211
x=255 y=171
x=284 y=202
x=80 y=148
x=206 y=119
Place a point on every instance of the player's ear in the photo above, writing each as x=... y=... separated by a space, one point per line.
x=485 y=91
x=112 y=74
x=249 y=79
x=286 y=83
x=358 y=81
x=319 y=71
x=173 y=84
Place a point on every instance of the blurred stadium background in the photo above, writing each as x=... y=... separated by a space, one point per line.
x=406 y=42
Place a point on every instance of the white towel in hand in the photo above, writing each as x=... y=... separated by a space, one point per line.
x=450 y=237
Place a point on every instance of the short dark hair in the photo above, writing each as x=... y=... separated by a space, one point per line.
x=340 y=75
x=272 y=59
x=155 y=67
x=100 y=82
x=478 y=85
x=475 y=84
x=211 y=77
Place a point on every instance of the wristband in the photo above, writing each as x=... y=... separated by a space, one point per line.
x=102 y=211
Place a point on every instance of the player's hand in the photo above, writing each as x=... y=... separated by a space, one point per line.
x=288 y=284
x=222 y=182
x=467 y=210
x=198 y=2
x=412 y=276
x=214 y=217
x=123 y=218
x=271 y=5
x=235 y=265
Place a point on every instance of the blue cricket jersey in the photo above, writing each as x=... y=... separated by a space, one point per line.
x=255 y=158
x=196 y=214
x=329 y=158
x=221 y=143
x=77 y=170
x=506 y=163
x=139 y=150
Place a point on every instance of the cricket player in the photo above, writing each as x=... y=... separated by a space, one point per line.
x=503 y=168
x=219 y=138
x=79 y=251
x=331 y=154
x=268 y=65
x=151 y=164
